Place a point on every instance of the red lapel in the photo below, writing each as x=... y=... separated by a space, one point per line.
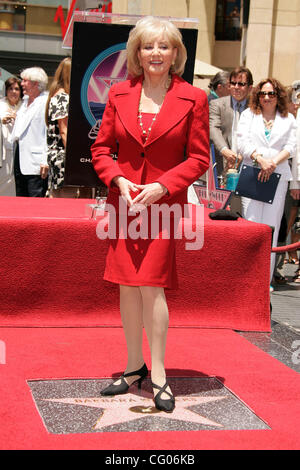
x=127 y=100
x=178 y=102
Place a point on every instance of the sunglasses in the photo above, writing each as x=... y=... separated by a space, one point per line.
x=270 y=94
x=241 y=84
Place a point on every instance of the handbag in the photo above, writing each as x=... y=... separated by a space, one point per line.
x=249 y=186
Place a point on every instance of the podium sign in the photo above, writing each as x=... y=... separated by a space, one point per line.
x=209 y=194
x=212 y=199
x=98 y=61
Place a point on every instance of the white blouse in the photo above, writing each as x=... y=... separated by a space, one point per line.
x=251 y=137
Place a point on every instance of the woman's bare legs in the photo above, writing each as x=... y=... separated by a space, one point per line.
x=145 y=307
x=156 y=322
x=131 y=309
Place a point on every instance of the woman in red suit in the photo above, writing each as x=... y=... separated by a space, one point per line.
x=158 y=125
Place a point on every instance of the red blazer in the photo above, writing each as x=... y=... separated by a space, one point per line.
x=177 y=150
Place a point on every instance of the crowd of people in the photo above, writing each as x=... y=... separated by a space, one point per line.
x=253 y=124
x=259 y=126
x=33 y=134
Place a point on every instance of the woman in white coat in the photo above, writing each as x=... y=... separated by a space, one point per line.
x=266 y=138
x=9 y=105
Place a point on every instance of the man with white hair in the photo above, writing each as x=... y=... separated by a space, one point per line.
x=30 y=136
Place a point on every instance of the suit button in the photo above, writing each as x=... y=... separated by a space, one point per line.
x=142 y=154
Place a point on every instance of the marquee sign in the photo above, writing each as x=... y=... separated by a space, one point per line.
x=59 y=15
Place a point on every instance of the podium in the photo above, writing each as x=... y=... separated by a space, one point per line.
x=53 y=262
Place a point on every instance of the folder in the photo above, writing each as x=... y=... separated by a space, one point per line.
x=249 y=185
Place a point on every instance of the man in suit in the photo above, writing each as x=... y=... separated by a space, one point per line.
x=30 y=136
x=223 y=117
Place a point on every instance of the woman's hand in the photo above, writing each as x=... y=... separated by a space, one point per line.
x=150 y=193
x=267 y=168
x=232 y=159
x=44 y=171
x=125 y=186
x=9 y=117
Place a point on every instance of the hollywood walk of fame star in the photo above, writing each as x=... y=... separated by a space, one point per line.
x=123 y=409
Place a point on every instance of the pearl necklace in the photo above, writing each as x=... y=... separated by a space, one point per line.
x=147 y=132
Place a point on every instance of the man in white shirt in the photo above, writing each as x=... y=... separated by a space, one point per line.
x=30 y=136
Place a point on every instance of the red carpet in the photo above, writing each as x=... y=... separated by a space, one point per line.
x=52 y=264
x=267 y=387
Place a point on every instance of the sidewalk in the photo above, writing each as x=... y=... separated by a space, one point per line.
x=284 y=341
x=286 y=301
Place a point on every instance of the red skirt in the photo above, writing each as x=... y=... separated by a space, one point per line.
x=137 y=257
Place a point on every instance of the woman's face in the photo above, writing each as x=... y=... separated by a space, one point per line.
x=267 y=98
x=13 y=93
x=157 y=56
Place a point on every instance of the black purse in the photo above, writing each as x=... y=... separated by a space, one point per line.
x=223 y=214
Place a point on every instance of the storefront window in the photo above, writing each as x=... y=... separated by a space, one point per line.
x=49 y=3
x=228 y=20
x=41 y=16
x=13 y=15
x=20 y=15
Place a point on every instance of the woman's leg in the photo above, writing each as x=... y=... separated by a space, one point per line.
x=131 y=309
x=145 y=306
x=156 y=322
x=272 y=216
x=269 y=214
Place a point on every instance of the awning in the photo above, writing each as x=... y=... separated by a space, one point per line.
x=204 y=69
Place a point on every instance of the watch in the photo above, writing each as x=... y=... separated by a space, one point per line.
x=254 y=159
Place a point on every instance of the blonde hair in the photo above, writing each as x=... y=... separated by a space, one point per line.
x=61 y=80
x=150 y=27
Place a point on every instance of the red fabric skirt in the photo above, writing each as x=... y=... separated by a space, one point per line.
x=137 y=257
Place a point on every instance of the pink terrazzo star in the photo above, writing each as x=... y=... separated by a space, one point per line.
x=130 y=407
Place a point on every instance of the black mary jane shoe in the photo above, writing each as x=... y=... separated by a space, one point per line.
x=167 y=405
x=123 y=386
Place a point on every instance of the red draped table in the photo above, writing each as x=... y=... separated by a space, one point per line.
x=52 y=263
